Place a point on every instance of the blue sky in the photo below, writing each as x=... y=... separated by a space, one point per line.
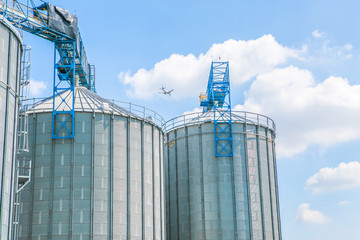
x=297 y=62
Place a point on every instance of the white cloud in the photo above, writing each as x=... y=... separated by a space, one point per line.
x=304 y=111
x=318 y=34
x=195 y=110
x=343 y=202
x=36 y=88
x=307 y=215
x=188 y=74
x=344 y=176
x=336 y=51
x=320 y=52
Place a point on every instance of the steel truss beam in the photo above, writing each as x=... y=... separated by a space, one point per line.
x=25 y=15
x=217 y=98
x=64 y=94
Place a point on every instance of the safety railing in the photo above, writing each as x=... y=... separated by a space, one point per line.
x=236 y=116
x=141 y=111
x=137 y=111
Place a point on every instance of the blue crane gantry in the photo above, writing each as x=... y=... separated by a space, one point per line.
x=70 y=62
x=217 y=99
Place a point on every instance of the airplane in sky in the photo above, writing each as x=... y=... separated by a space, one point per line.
x=166 y=92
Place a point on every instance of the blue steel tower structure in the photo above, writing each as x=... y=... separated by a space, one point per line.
x=70 y=62
x=217 y=99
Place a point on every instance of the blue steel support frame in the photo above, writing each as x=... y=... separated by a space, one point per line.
x=73 y=61
x=92 y=77
x=218 y=99
x=64 y=82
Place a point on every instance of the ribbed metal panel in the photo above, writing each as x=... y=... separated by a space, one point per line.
x=103 y=184
x=221 y=198
x=10 y=59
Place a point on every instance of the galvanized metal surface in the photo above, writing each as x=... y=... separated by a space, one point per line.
x=199 y=118
x=87 y=101
x=106 y=183
x=10 y=58
x=221 y=198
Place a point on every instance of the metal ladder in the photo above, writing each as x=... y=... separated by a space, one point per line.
x=23 y=164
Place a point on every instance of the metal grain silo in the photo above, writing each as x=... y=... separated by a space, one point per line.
x=10 y=60
x=221 y=198
x=106 y=183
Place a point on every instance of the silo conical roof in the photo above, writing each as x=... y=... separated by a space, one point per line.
x=85 y=101
x=221 y=116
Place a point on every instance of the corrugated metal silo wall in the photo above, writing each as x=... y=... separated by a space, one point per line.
x=224 y=198
x=107 y=183
x=10 y=60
